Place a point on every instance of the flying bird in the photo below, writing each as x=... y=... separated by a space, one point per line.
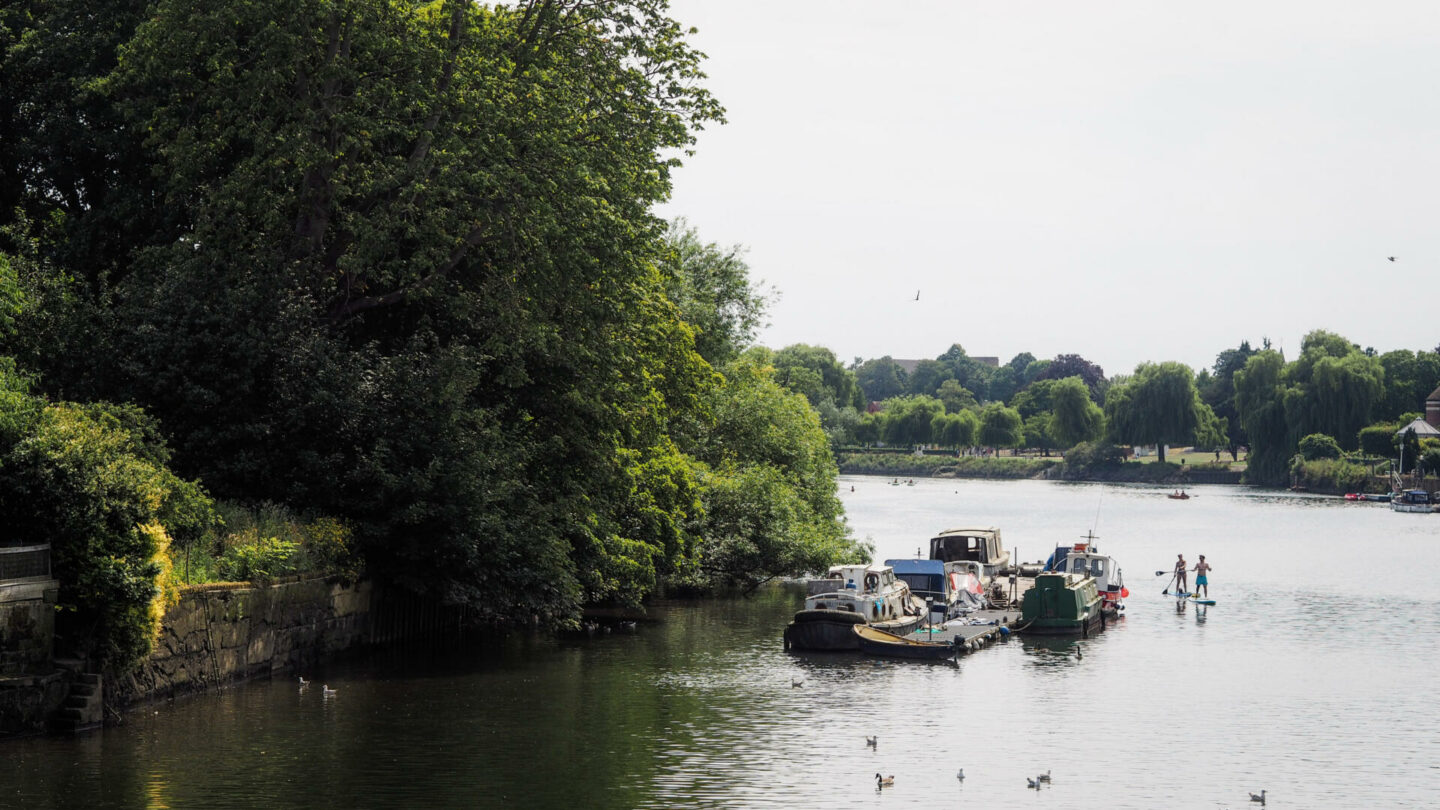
x=917 y=292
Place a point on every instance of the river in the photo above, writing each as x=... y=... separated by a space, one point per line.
x=1313 y=677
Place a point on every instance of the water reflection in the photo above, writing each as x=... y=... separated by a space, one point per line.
x=1301 y=680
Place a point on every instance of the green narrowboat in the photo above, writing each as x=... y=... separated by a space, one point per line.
x=1062 y=604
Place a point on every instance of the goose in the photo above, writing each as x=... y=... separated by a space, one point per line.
x=871 y=741
x=1044 y=777
x=885 y=781
x=1258 y=797
x=1031 y=783
x=960 y=774
x=304 y=682
x=797 y=681
x=327 y=690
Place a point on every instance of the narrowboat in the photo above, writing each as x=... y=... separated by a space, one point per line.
x=1062 y=604
x=851 y=595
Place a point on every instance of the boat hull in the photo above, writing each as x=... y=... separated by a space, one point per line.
x=834 y=630
x=889 y=645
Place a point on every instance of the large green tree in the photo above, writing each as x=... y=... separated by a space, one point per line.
x=711 y=286
x=391 y=261
x=1074 y=418
x=1157 y=405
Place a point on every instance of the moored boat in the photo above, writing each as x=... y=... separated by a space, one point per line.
x=1062 y=604
x=1413 y=500
x=851 y=595
x=948 y=589
x=980 y=546
x=874 y=641
x=1086 y=559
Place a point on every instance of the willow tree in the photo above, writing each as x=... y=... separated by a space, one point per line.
x=1074 y=418
x=393 y=261
x=1158 y=405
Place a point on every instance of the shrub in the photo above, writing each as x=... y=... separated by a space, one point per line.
x=1318 y=446
x=259 y=559
x=1330 y=475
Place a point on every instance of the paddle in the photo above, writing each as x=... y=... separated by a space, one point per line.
x=1166 y=592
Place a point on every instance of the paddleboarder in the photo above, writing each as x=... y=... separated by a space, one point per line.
x=1201 y=580
x=1180 y=575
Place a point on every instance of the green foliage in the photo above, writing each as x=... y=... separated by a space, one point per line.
x=711 y=286
x=92 y=481
x=1378 y=440
x=1409 y=378
x=881 y=379
x=1331 y=475
x=1074 y=417
x=1158 y=405
x=955 y=430
x=1430 y=459
x=1259 y=400
x=1090 y=456
x=955 y=397
x=908 y=420
x=1318 y=446
x=1038 y=432
x=943 y=466
x=1001 y=427
x=259 y=559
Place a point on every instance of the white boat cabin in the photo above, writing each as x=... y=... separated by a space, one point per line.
x=872 y=591
x=982 y=546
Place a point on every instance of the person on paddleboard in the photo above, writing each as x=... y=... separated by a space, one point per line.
x=1201 y=580
x=1180 y=575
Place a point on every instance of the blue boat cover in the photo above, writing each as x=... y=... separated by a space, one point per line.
x=912 y=566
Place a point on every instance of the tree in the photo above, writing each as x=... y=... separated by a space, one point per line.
x=1332 y=388
x=908 y=419
x=955 y=430
x=881 y=379
x=969 y=372
x=1318 y=446
x=391 y=262
x=1073 y=365
x=1074 y=418
x=1378 y=440
x=1218 y=391
x=1001 y=426
x=711 y=286
x=955 y=397
x=1158 y=405
x=927 y=377
x=815 y=372
x=1038 y=432
x=1260 y=403
x=1409 y=379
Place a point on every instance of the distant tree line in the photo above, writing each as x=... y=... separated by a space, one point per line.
x=1251 y=398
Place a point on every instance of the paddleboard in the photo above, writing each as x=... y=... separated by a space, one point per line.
x=1202 y=601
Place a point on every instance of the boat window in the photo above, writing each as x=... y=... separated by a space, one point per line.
x=1097 y=568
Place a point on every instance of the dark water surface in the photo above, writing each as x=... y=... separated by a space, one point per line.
x=1315 y=677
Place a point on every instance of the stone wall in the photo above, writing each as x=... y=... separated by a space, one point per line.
x=220 y=634
x=27 y=626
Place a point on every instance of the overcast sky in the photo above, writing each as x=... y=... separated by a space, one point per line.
x=1129 y=181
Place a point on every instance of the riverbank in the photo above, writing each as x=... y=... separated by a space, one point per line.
x=1026 y=467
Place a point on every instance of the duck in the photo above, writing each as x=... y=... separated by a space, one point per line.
x=304 y=682
x=872 y=741
x=1044 y=777
x=960 y=775
x=1258 y=797
x=327 y=691
x=1032 y=783
x=885 y=781
x=797 y=682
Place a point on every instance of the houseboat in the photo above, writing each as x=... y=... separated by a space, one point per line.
x=849 y=595
x=1413 y=500
x=1062 y=604
x=980 y=546
x=1085 y=558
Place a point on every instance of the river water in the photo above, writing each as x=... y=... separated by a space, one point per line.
x=1313 y=677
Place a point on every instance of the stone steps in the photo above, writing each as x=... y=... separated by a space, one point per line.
x=84 y=706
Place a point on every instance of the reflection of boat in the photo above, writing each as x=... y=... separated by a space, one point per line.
x=1062 y=604
x=1086 y=559
x=851 y=595
x=1413 y=500
x=980 y=546
x=948 y=589
x=874 y=641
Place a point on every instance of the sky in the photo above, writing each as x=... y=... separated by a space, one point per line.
x=1128 y=181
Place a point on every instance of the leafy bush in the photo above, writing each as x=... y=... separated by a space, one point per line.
x=260 y=559
x=1331 y=475
x=1378 y=440
x=1317 y=446
x=1087 y=456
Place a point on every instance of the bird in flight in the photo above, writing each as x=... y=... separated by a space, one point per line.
x=917 y=292
x=1391 y=258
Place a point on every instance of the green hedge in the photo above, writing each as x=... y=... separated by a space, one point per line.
x=942 y=466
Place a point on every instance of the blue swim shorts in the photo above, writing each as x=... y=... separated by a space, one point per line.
x=1200 y=580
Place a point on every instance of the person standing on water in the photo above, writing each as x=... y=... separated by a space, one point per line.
x=1201 y=580
x=1180 y=576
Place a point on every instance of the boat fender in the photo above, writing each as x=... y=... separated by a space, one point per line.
x=871 y=582
x=1004 y=631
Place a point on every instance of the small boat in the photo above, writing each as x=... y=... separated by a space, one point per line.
x=1085 y=558
x=1383 y=497
x=874 y=641
x=1354 y=496
x=851 y=595
x=980 y=546
x=1178 y=495
x=1413 y=500
x=1062 y=604
x=949 y=590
